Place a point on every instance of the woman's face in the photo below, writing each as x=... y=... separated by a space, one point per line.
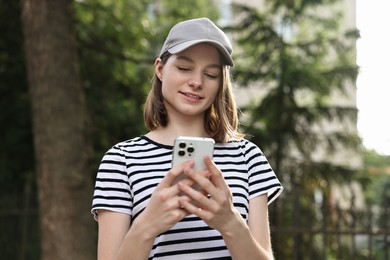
x=190 y=80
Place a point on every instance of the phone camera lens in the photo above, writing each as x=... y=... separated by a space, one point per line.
x=190 y=149
x=181 y=153
x=182 y=145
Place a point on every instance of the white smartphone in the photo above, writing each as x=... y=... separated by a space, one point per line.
x=192 y=148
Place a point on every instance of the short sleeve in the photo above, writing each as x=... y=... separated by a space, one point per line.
x=262 y=179
x=112 y=189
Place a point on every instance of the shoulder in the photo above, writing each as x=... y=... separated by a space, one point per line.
x=130 y=144
x=134 y=150
x=244 y=145
x=122 y=150
x=135 y=145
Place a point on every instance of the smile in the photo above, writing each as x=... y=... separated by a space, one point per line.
x=191 y=95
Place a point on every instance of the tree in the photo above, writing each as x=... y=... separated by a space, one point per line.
x=300 y=58
x=59 y=116
x=17 y=184
x=118 y=43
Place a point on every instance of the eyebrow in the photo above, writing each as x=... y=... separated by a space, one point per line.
x=186 y=58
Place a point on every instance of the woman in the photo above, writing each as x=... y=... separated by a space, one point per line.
x=142 y=212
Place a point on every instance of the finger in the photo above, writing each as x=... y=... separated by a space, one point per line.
x=216 y=176
x=172 y=174
x=196 y=210
x=181 y=200
x=198 y=198
x=188 y=181
x=177 y=215
x=201 y=178
x=221 y=192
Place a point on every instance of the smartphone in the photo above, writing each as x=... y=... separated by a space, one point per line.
x=192 y=148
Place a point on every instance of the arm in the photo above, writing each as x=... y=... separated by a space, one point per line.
x=244 y=241
x=258 y=222
x=116 y=241
x=253 y=241
x=122 y=238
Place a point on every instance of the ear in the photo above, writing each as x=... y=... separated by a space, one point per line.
x=158 y=68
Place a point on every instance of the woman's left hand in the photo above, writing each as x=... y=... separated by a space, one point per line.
x=214 y=204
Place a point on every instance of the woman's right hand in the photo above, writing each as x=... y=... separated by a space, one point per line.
x=164 y=210
x=117 y=241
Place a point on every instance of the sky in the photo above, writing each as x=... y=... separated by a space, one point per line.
x=373 y=82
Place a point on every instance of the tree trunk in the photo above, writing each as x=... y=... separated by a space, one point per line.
x=62 y=149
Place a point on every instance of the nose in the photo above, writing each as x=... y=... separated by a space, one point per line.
x=196 y=80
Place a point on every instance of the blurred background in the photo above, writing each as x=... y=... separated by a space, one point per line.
x=310 y=79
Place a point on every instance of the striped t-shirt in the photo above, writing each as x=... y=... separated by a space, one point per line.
x=130 y=171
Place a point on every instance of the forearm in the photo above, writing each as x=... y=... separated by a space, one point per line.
x=241 y=243
x=137 y=244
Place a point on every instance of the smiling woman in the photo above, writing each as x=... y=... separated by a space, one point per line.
x=373 y=83
x=191 y=81
x=220 y=212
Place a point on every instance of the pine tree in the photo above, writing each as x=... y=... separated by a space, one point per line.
x=296 y=53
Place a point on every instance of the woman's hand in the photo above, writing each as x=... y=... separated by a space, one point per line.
x=214 y=204
x=164 y=210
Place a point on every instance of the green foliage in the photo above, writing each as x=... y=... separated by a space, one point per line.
x=113 y=53
x=118 y=43
x=285 y=47
x=301 y=67
x=377 y=176
x=300 y=58
x=373 y=159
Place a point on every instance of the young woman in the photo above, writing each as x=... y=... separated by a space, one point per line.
x=143 y=213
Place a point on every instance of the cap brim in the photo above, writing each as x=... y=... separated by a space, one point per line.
x=185 y=45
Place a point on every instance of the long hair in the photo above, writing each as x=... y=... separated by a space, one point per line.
x=221 y=118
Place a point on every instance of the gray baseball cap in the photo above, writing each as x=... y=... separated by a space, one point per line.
x=201 y=30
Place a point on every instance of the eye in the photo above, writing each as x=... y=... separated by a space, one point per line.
x=211 y=75
x=184 y=69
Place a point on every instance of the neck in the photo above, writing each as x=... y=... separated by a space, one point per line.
x=183 y=126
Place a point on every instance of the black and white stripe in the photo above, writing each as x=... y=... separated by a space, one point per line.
x=130 y=171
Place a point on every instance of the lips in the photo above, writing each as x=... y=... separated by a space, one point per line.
x=190 y=95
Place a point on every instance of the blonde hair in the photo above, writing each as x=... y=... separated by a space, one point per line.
x=221 y=118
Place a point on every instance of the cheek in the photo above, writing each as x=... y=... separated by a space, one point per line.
x=213 y=95
x=214 y=91
x=165 y=83
x=164 y=89
x=168 y=88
